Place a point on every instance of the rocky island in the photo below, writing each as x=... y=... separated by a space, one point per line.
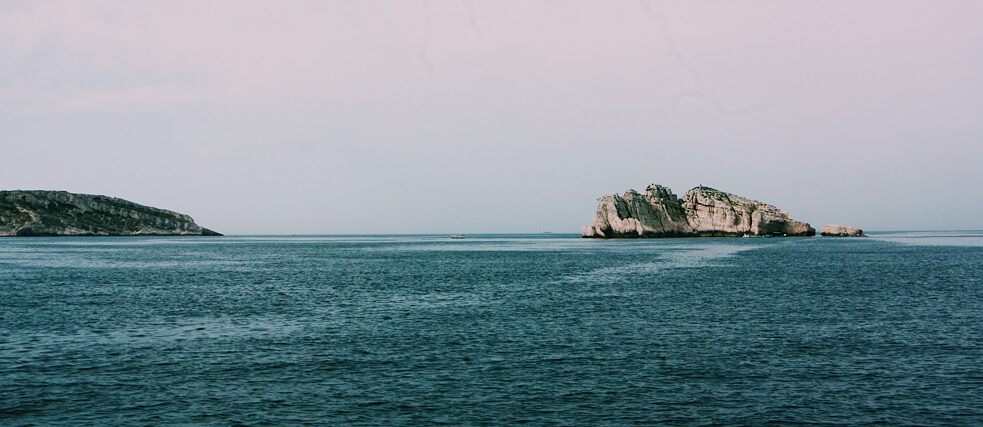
x=836 y=230
x=60 y=213
x=701 y=212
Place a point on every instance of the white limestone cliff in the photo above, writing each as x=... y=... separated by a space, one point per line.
x=701 y=212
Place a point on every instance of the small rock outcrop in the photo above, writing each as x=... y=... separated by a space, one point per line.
x=701 y=212
x=60 y=213
x=836 y=230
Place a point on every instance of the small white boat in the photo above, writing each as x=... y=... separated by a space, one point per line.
x=457 y=236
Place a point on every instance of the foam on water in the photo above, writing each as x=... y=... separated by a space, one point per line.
x=665 y=258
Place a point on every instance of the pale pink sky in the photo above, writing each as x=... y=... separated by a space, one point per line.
x=495 y=116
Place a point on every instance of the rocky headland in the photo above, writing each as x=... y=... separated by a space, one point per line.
x=701 y=212
x=60 y=213
x=836 y=230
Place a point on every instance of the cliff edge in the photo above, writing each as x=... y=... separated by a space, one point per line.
x=701 y=212
x=60 y=213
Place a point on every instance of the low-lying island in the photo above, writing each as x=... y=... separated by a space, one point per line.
x=60 y=213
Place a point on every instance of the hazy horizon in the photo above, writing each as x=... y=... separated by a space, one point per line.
x=495 y=117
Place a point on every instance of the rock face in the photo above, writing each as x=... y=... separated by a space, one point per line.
x=837 y=230
x=701 y=212
x=59 y=213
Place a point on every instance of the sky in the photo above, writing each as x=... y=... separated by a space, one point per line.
x=472 y=116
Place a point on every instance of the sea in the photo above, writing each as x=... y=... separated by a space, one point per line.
x=542 y=329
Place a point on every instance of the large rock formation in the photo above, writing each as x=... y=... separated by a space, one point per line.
x=59 y=213
x=701 y=212
x=841 y=231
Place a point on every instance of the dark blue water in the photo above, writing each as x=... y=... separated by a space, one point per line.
x=428 y=330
